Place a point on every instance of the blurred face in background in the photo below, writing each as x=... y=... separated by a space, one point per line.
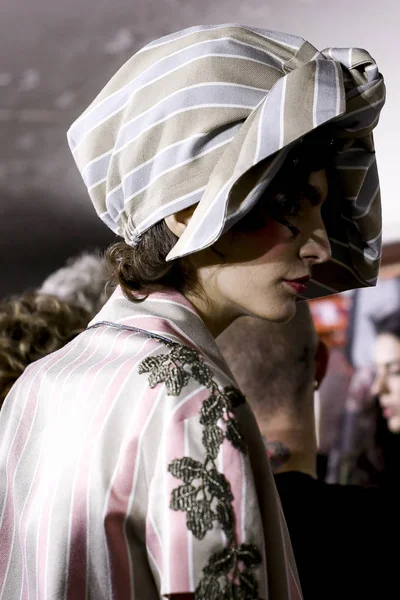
x=387 y=382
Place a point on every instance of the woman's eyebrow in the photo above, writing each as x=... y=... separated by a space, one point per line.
x=391 y=363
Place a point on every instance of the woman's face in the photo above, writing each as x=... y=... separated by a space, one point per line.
x=265 y=269
x=387 y=382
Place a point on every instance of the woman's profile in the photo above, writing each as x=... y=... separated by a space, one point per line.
x=228 y=159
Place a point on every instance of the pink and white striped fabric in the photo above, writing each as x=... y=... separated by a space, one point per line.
x=85 y=444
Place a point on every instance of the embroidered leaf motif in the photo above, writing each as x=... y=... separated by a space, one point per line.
x=225 y=517
x=249 y=555
x=209 y=588
x=186 y=468
x=234 y=396
x=183 y=497
x=234 y=435
x=230 y=592
x=236 y=592
x=219 y=485
x=212 y=439
x=233 y=592
x=227 y=575
x=177 y=379
x=184 y=354
x=240 y=581
x=158 y=375
x=151 y=363
x=200 y=518
x=201 y=373
x=220 y=562
x=211 y=410
x=249 y=585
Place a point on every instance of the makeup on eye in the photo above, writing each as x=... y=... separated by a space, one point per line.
x=281 y=206
x=290 y=208
x=393 y=368
x=295 y=231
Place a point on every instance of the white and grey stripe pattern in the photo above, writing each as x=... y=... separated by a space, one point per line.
x=186 y=118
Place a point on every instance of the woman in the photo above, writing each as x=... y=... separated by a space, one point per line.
x=144 y=470
x=377 y=461
x=387 y=389
x=340 y=532
x=368 y=449
x=31 y=326
x=387 y=361
x=37 y=323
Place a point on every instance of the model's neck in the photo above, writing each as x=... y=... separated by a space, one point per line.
x=216 y=317
x=291 y=441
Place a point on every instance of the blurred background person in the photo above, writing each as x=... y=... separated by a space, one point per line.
x=368 y=448
x=341 y=535
x=387 y=362
x=347 y=409
x=31 y=326
x=278 y=369
x=37 y=323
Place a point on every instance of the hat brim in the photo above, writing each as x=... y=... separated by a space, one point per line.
x=305 y=99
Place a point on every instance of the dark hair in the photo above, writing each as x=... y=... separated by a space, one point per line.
x=388 y=324
x=375 y=460
x=143 y=269
x=32 y=326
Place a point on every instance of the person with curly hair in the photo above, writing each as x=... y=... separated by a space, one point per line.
x=32 y=326
x=38 y=323
x=228 y=158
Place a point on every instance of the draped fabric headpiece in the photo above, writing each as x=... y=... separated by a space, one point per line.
x=208 y=115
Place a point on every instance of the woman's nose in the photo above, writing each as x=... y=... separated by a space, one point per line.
x=317 y=249
x=379 y=385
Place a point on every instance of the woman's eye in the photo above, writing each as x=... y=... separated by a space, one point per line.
x=292 y=228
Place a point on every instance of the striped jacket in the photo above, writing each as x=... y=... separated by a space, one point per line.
x=131 y=467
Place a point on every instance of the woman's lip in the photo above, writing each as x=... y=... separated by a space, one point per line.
x=297 y=285
x=388 y=412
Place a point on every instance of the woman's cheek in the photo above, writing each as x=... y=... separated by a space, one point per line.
x=395 y=389
x=272 y=239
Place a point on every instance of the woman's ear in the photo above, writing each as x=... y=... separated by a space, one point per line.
x=178 y=222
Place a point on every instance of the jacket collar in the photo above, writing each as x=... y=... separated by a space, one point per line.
x=168 y=314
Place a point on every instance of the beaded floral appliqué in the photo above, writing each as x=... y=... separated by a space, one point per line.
x=205 y=494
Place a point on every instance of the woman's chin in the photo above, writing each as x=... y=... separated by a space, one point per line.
x=394 y=424
x=285 y=316
x=278 y=313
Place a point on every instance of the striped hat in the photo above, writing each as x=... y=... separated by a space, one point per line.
x=208 y=115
